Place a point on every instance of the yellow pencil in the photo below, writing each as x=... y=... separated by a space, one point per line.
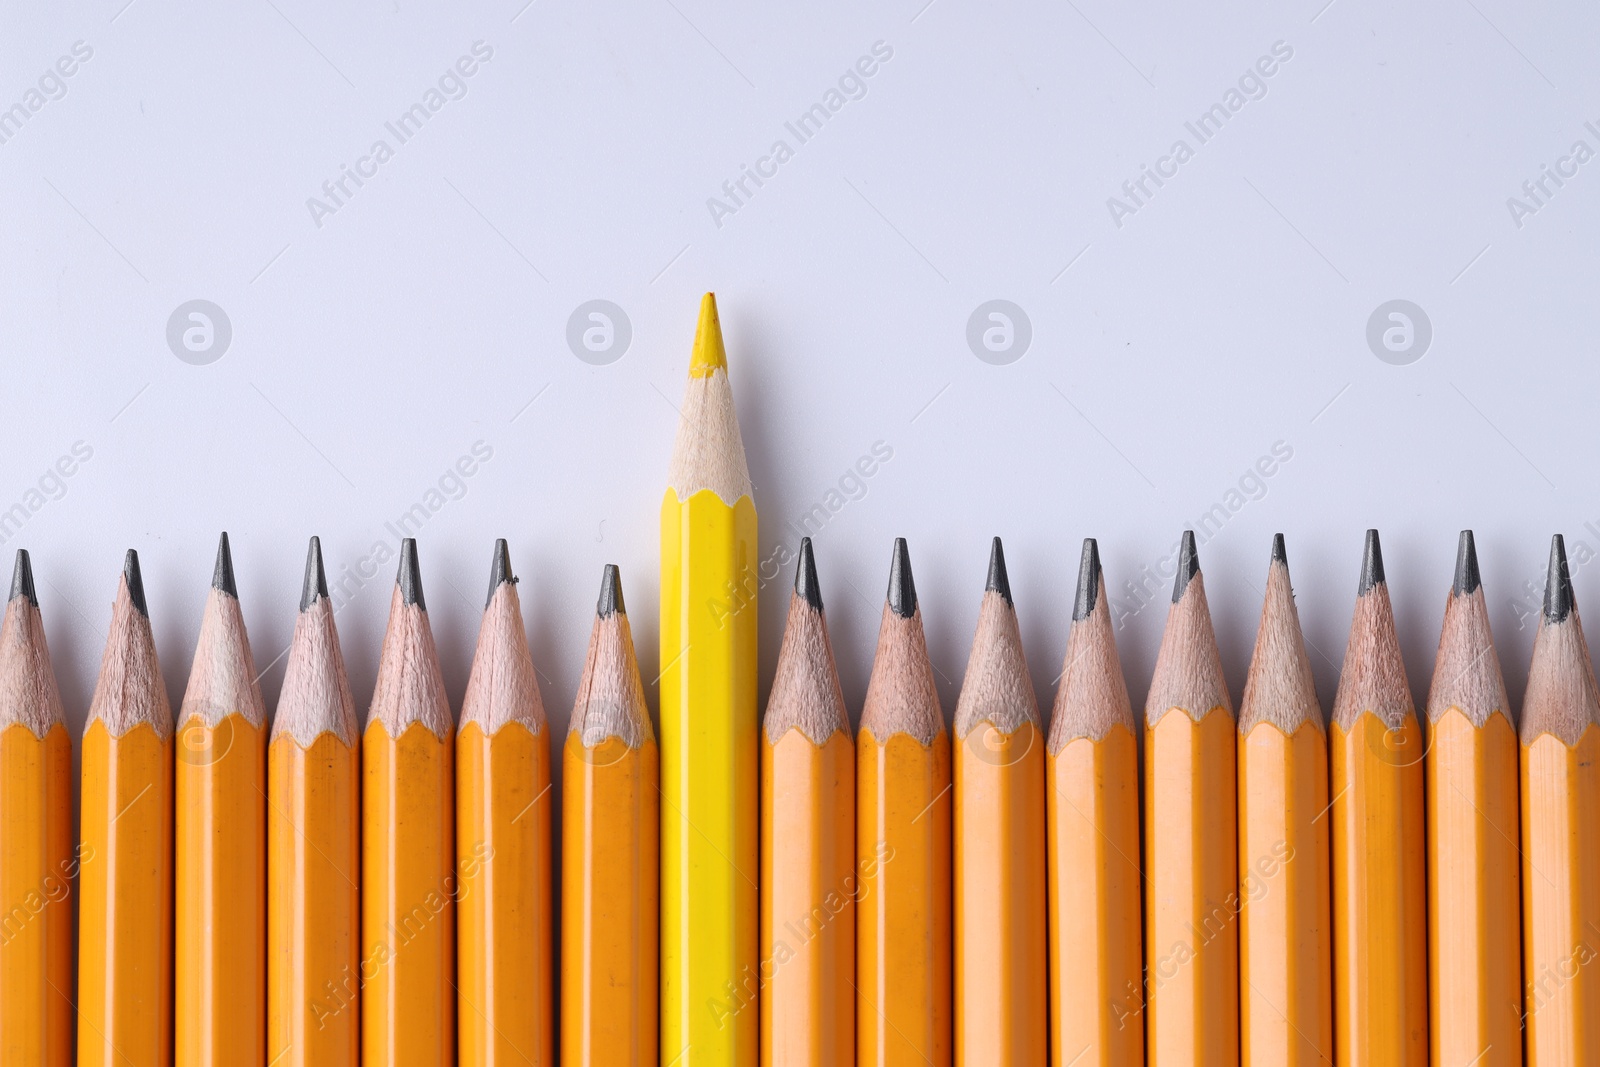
x=220 y=964
x=37 y=863
x=710 y=754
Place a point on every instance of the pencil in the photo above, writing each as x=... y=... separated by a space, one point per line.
x=220 y=773
x=710 y=753
x=408 y=886
x=903 y=868
x=610 y=852
x=1092 y=819
x=808 y=837
x=1191 y=945
x=1380 y=956
x=503 y=843
x=1001 y=950
x=38 y=861
x=1474 y=896
x=1285 y=961
x=1561 y=834
x=125 y=887
x=314 y=847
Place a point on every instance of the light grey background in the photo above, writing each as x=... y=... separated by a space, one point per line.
x=375 y=345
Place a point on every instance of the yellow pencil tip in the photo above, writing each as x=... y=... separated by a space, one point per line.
x=708 y=352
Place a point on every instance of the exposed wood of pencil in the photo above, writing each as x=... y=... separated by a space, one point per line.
x=611 y=845
x=314 y=847
x=1474 y=868
x=1560 y=836
x=503 y=804
x=1285 y=962
x=220 y=774
x=1092 y=812
x=1001 y=948
x=408 y=886
x=1191 y=941
x=38 y=860
x=1380 y=956
x=903 y=817
x=125 y=887
x=807 y=846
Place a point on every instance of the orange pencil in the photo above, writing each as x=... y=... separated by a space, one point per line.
x=1001 y=950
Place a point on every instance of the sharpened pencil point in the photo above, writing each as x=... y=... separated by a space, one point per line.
x=135 y=582
x=410 y=577
x=1188 y=565
x=902 y=588
x=998 y=582
x=1088 y=581
x=805 y=576
x=499 y=569
x=610 y=593
x=222 y=575
x=1558 y=583
x=22 y=578
x=708 y=353
x=1371 y=564
x=1467 y=577
x=315 y=583
x=1280 y=552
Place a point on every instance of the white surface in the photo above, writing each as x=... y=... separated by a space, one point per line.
x=1227 y=314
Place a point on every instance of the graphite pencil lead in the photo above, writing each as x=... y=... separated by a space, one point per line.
x=1558 y=583
x=902 y=587
x=806 y=585
x=1467 y=577
x=610 y=593
x=135 y=582
x=315 y=583
x=22 y=579
x=1088 y=581
x=222 y=574
x=1279 y=688
x=997 y=581
x=499 y=569
x=410 y=577
x=1280 y=554
x=1371 y=564
x=1188 y=565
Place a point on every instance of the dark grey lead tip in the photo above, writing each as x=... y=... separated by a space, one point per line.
x=1558 y=583
x=1371 y=564
x=998 y=581
x=222 y=575
x=1188 y=565
x=315 y=583
x=610 y=593
x=22 y=579
x=1280 y=552
x=499 y=569
x=805 y=576
x=135 y=582
x=1088 y=581
x=902 y=588
x=1467 y=577
x=410 y=577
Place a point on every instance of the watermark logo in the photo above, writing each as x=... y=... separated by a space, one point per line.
x=988 y=744
x=1399 y=332
x=199 y=332
x=598 y=332
x=200 y=745
x=999 y=332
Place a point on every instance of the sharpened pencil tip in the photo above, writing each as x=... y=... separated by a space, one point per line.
x=499 y=569
x=410 y=577
x=805 y=576
x=22 y=578
x=1467 y=577
x=1558 y=583
x=135 y=582
x=315 y=582
x=222 y=574
x=1088 y=581
x=1280 y=552
x=998 y=581
x=708 y=353
x=610 y=593
x=902 y=588
x=1371 y=564
x=1188 y=565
